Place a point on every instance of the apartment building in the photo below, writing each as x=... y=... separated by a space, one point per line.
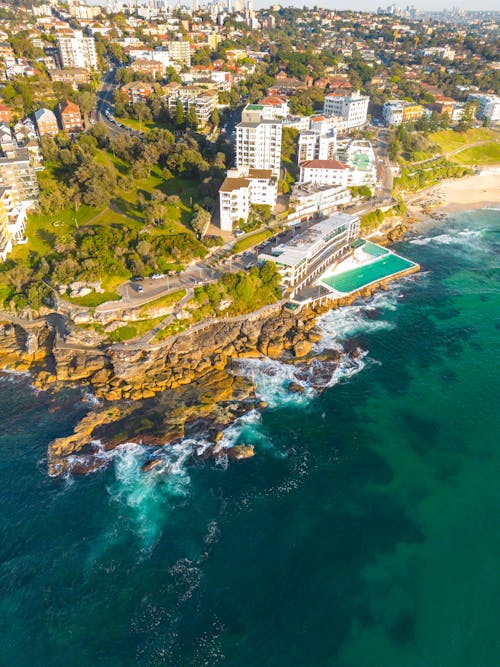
x=359 y=156
x=180 y=51
x=488 y=106
x=324 y=172
x=240 y=190
x=397 y=112
x=309 y=200
x=258 y=145
x=137 y=91
x=154 y=68
x=204 y=101
x=5 y=113
x=46 y=123
x=73 y=76
x=12 y=222
x=353 y=108
x=318 y=142
x=75 y=50
x=70 y=117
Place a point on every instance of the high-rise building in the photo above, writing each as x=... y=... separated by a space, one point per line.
x=77 y=51
x=318 y=142
x=352 y=108
x=258 y=144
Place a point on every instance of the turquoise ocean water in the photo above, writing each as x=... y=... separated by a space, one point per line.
x=364 y=533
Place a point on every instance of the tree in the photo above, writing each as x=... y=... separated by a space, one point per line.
x=154 y=212
x=179 y=114
x=215 y=118
x=120 y=99
x=192 y=118
x=18 y=276
x=289 y=144
x=200 y=220
x=142 y=112
x=467 y=116
x=86 y=101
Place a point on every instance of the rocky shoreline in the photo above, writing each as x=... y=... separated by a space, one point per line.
x=158 y=395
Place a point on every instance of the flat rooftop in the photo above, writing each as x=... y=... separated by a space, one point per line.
x=300 y=246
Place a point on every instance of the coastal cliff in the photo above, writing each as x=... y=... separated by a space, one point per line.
x=157 y=394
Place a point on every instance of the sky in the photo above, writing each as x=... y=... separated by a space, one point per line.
x=365 y=5
x=368 y=5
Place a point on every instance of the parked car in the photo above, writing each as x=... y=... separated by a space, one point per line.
x=136 y=279
x=139 y=288
x=157 y=276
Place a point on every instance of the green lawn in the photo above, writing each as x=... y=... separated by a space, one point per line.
x=449 y=140
x=133 y=329
x=134 y=124
x=251 y=240
x=479 y=155
x=94 y=299
x=177 y=216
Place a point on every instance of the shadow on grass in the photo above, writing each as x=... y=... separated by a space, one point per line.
x=49 y=238
x=128 y=209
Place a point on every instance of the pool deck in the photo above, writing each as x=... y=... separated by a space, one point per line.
x=369 y=264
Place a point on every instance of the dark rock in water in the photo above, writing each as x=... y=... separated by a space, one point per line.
x=329 y=355
x=371 y=313
x=151 y=464
x=239 y=452
x=295 y=388
x=86 y=465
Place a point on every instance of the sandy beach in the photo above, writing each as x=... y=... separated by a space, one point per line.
x=476 y=191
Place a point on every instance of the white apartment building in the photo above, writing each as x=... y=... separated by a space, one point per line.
x=359 y=156
x=77 y=51
x=324 y=172
x=12 y=222
x=180 y=51
x=352 y=108
x=258 y=145
x=203 y=101
x=309 y=200
x=317 y=143
x=488 y=106
x=241 y=189
x=392 y=112
x=307 y=255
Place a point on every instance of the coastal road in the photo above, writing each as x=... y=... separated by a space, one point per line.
x=105 y=95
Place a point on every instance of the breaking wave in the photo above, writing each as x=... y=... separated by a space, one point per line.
x=464 y=238
x=360 y=317
x=273 y=378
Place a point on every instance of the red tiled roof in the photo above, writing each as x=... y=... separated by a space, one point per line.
x=323 y=164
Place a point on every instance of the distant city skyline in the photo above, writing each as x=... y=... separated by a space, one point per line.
x=356 y=5
x=367 y=5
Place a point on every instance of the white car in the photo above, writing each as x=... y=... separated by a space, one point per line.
x=157 y=276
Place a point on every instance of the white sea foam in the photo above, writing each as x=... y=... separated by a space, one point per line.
x=464 y=238
x=89 y=397
x=147 y=497
x=355 y=319
x=271 y=378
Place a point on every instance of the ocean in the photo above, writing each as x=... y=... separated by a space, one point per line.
x=364 y=532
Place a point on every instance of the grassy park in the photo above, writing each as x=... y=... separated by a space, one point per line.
x=251 y=241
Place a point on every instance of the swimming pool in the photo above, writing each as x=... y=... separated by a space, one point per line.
x=373 y=249
x=355 y=279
